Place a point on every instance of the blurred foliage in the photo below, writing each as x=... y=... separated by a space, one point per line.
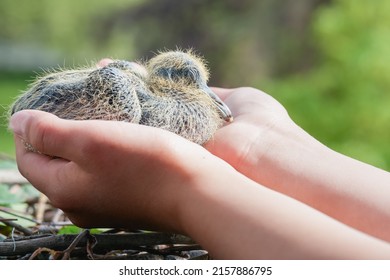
x=17 y=195
x=72 y=229
x=344 y=100
x=243 y=40
x=11 y=84
x=64 y=25
x=326 y=61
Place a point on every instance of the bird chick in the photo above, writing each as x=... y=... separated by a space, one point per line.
x=169 y=91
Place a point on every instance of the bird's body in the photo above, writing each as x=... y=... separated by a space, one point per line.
x=170 y=92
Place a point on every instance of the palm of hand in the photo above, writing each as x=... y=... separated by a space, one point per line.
x=256 y=115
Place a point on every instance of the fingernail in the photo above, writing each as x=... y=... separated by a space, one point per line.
x=17 y=122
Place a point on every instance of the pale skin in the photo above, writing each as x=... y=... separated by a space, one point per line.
x=262 y=188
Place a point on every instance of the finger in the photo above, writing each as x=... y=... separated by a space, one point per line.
x=33 y=165
x=104 y=62
x=223 y=93
x=46 y=133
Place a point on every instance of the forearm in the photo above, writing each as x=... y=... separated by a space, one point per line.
x=236 y=218
x=348 y=190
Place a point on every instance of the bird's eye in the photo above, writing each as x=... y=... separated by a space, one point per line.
x=188 y=75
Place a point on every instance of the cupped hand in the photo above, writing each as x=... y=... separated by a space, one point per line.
x=247 y=143
x=105 y=173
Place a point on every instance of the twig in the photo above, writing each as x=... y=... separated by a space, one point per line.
x=104 y=242
x=41 y=207
x=20 y=228
x=11 y=212
x=7 y=220
x=91 y=242
x=74 y=243
x=39 y=251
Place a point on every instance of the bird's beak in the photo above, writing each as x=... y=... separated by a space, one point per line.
x=224 y=110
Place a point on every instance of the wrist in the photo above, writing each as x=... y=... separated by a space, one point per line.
x=197 y=198
x=280 y=155
x=296 y=164
x=191 y=172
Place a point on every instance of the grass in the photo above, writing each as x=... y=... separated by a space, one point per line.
x=11 y=85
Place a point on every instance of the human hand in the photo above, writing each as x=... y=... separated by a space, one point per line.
x=104 y=173
x=253 y=141
x=264 y=144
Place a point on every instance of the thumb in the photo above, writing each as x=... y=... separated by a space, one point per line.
x=43 y=132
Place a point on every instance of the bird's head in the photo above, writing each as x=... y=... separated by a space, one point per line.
x=186 y=71
x=179 y=67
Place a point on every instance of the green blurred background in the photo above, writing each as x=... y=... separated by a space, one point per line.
x=327 y=62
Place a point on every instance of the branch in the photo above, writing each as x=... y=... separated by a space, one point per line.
x=104 y=242
x=20 y=228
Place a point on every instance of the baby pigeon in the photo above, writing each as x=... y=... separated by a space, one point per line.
x=169 y=91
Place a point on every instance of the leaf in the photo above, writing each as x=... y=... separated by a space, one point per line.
x=4 y=231
x=8 y=198
x=16 y=194
x=70 y=230
x=24 y=220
